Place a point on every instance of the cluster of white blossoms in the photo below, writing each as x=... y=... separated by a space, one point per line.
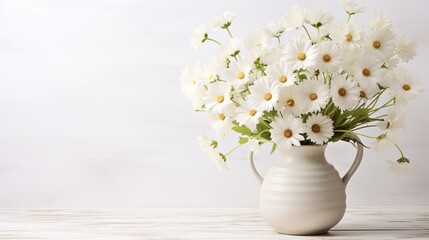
x=304 y=79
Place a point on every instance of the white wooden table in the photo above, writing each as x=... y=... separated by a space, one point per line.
x=124 y=224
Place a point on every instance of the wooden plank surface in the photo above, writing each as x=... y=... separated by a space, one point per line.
x=124 y=224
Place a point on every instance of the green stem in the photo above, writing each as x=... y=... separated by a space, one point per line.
x=360 y=134
x=399 y=149
x=229 y=32
x=211 y=39
x=232 y=150
x=387 y=104
x=266 y=124
x=367 y=126
x=308 y=34
x=375 y=100
x=348 y=19
x=266 y=130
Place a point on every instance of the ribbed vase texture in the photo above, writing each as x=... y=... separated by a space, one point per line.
x=302 y=193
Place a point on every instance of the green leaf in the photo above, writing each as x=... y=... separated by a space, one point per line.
x=243 y=140
x=273 y=148
x=302 y=76
x=270 y=114
x=266 y=135
x=243 y=130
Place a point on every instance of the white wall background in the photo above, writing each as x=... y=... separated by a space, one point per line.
x=91 y=113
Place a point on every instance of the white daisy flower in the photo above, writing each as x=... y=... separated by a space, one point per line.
x=345 y=93
x=206 y=145
x=288 y=103
x=348 y=62
x=326 y=30
x=319 y=128
x=271 y=55
x=190 y=77
x=278 y=71
x=200 y=36
x=275 y=29
x=234 y=46
x=314 y=95
x=192 y=80
x=264 y=94
x=348 y=36
x=197 y=99
x=394 y=122
x=223 y=21
x=400 y=167
x=378 y=21
x=391 y=62
x=254 y=145
x=258 y=39
x=387 y=78
x=405 y=86
x=329 y=57
x=218 y=96
x=219 y=161
x=247 y=115
x=406 y=49
x=381 y=42
x=286 y=131
x=294 y=17
x=208 y=148
x=266 y=55
x=300 y=54
x=368 y=69
x=252 y=55
x=367 y=91
x=383 y=141
x=351 y=7
x=221 y=121
x=237 y=74
x=213 y=68
x=318 y=18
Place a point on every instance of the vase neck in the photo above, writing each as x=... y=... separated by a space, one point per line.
x=305 y=153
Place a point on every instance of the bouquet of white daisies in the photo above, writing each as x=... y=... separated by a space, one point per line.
x=304 y=80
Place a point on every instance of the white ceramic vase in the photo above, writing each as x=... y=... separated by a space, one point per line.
x=302 y=194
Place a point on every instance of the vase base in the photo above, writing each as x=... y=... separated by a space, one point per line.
x=324 y=232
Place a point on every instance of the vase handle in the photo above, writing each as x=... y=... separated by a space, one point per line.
x=357 y=160
x=255 y=172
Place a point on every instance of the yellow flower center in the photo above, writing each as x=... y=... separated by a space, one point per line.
x=221 y=116
x=252 y=112
x=302 y=56
x=240 y=75
x=287 y=133
x=406 y=87
x=342 y=92
x=193 y=81
x=282 y=79
x=290 y=102
x=326 y=58
x=348 y=37
x=315 y=128
x=362 y=94
x=220 y=99
x=366 y=72
x=313 y=96
x=268 y=96
x=376 y=44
